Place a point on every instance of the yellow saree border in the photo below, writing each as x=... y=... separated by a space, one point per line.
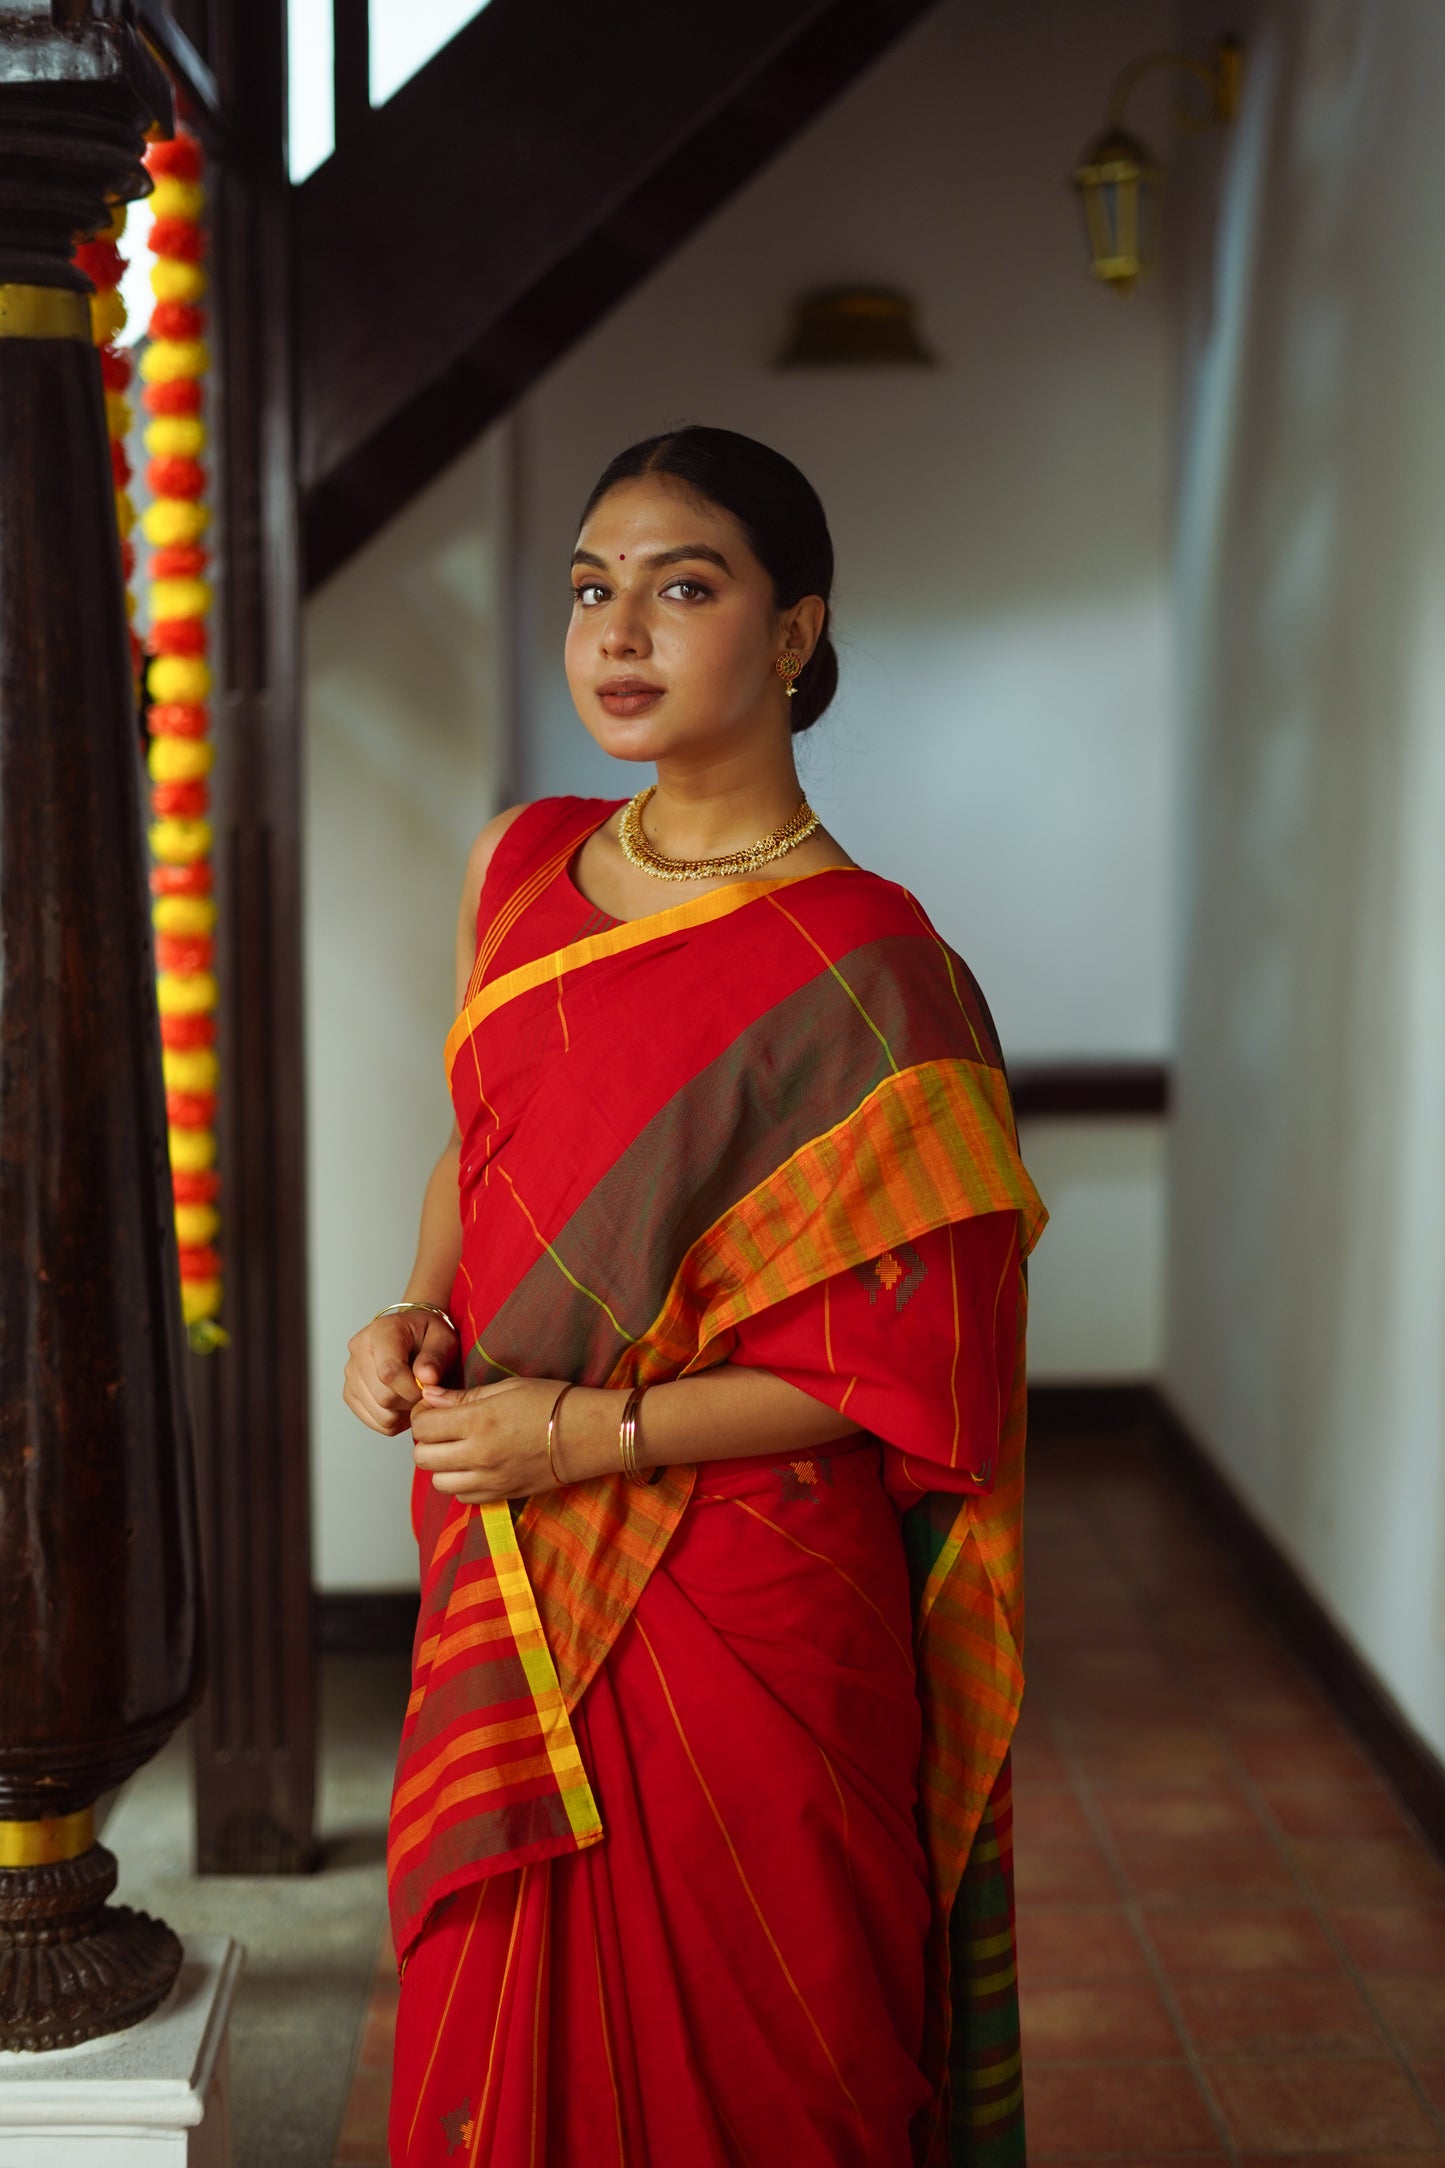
x=530 y=1639
x=614 y=941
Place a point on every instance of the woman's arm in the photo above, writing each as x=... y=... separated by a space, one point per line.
x=391 y=1358
x=490 y=1441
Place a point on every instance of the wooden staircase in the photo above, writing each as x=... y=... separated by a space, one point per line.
x=468 y=232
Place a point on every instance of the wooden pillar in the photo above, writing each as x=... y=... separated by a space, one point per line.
x=99 y=1618
x=255 y=1735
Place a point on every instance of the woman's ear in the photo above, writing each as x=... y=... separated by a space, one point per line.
x=803 y=625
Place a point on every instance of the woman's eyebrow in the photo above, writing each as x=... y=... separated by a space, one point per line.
x=688 y=549
x=662 y=557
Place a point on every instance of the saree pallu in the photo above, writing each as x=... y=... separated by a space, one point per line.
x=699 y=1845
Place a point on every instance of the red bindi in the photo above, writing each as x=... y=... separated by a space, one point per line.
x=622 y=557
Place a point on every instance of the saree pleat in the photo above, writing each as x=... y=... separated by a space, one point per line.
x=700 y=1845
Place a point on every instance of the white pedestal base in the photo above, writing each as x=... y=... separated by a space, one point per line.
x=155 y=2096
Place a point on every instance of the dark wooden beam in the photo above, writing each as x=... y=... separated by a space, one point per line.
x=255 y=1734
x=1100 y=1090
x=541 y=166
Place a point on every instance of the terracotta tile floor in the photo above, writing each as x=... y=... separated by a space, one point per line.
x=1232 y=1939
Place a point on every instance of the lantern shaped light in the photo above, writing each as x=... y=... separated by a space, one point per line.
x=1119 y=183
x=1118 y=179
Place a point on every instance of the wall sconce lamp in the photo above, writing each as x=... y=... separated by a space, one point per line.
x=854 y=327
x=1119 y=180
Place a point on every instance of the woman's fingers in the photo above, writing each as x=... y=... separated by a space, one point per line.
x=436 y=1352
x=389 y=1421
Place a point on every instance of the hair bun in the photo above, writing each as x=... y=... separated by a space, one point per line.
x=816 y=685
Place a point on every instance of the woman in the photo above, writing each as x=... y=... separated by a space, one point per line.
x=699 y=1847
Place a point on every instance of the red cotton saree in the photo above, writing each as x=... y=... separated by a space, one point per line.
x=699 y=1850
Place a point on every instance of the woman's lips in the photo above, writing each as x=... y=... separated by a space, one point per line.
x=637 y=701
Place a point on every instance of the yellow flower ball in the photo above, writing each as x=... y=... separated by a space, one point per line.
x=178 y=199
x=197 y=1223
x=199 y=1299
x=180 y=677
x=190 y=1069
x=193 y=1151
x=183 y=914
x=175 y=436
x=174 y=519
x=177 y=841
x=180 y=598
x=185 y=993
x=173 y=280
x=180 y=760
x=124 y=512
x=165 y=360
x=107 y=315
x=118 y=413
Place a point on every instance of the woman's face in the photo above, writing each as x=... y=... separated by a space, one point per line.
x=674 y=637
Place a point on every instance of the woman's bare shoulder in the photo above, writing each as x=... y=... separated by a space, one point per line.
x=479 y=857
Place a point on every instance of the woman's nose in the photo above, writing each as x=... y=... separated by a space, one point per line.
x=624 y=630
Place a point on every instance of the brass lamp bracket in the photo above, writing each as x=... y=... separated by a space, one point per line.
x=1221 y=76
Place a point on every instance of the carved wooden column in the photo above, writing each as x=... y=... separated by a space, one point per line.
x=99 y=1625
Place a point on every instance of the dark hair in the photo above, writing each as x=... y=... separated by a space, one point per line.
x=778 y=510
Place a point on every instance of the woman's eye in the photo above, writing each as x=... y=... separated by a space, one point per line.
x=696 y=589
x=581 y=591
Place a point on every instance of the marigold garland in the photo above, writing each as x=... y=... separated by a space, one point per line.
x=183 y=909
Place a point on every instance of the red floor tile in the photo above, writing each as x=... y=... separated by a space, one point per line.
x=1194 y=1943
x=362 y=2138
x=1221 y=1813
x=1035 y=1755
x=1414 y=2010
x=1393 y=1938
x=1103 y=2021
x=1432 y=2077
x=1370 y=1870
x=1319 y=2105
x=1320 y=1756
x=1077 y=1942
x=1240 y=1867
x=1279 y=2014
x=1071 y=1873
x=1182 y=1760
x=1392 y=2159
x=1044 y=1813
x=1334 y=1810
x=1130 y=2111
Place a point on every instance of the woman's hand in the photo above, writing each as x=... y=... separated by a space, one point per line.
x=487 y=1442
x=390 y=1361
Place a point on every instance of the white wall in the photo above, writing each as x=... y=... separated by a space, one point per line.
x=405 y=693
x=1307 y=1254
x=1003 y=741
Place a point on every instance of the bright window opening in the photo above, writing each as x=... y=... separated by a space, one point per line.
x=406 y=33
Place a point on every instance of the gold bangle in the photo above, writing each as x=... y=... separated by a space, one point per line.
x=627 y=1440
x=394 y=1309
x=552 y=1437
x=627 y=1434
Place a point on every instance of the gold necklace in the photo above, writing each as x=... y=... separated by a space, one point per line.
x=639 y=852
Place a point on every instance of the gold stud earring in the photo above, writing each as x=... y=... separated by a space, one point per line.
x=788 y=666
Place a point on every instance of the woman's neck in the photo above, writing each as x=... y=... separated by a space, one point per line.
x=702 y=815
